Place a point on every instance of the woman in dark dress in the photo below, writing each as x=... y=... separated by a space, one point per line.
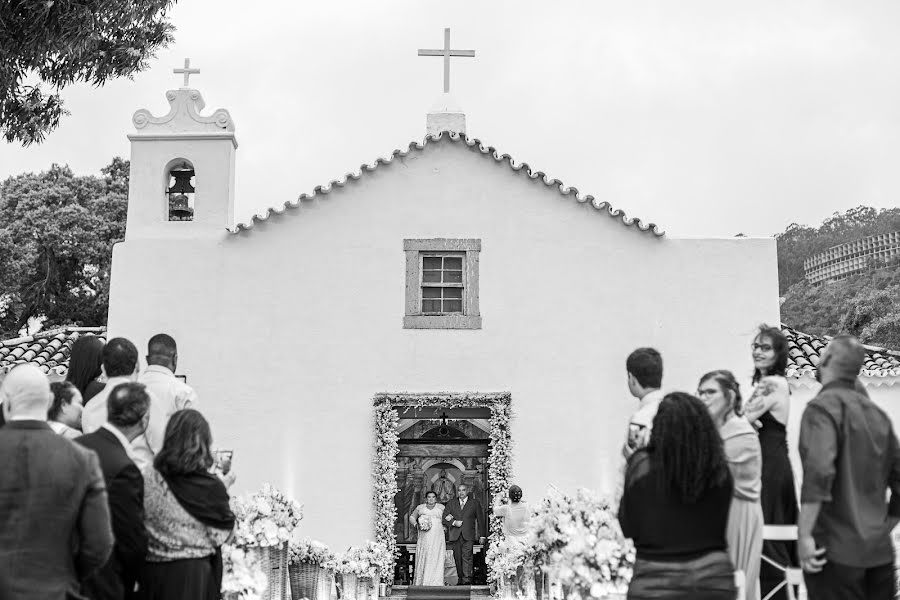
x=675 y=507
x=85 y=362
x=187 y=515
x=769 y=408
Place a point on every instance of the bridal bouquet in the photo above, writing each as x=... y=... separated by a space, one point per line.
x=310 y=551
x=577 y=539
x=266 y=518
x=424 y=522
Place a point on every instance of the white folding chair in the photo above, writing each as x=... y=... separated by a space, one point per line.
x=740 y=582
x=792 y=576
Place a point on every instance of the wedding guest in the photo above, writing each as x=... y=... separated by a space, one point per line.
x=187 y=515
x=169 y=394
x=51 y=495
x=515 y=514
x=720 y=391
x=64 y=415
x=675 y=507
x=86 y=366
x=120 y=364
x=644 y=367
x=128 y=406
x=769 y=406
x=851 y=459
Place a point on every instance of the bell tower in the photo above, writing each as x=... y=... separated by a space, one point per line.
x=182 y=169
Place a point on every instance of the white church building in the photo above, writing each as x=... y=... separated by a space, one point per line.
x=446 y=271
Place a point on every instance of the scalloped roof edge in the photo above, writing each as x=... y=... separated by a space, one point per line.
x=887 y=375
x=563 y=189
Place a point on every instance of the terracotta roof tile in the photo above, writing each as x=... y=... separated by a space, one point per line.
x=48 y=350
x=447 y=137
x=805 y=351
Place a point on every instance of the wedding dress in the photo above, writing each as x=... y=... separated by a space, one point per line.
x=431 y=548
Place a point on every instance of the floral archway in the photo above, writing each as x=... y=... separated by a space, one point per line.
x=388 y=407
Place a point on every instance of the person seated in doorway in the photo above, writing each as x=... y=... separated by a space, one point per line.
x=64 y=416
x=675 y=507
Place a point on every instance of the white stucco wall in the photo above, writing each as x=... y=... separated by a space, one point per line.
x=288 y=330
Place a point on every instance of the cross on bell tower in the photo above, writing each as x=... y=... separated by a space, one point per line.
x=187 y=71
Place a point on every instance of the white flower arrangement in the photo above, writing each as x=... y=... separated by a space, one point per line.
x=243 y=577
x=367 y=561
x=310 y=551
x=578 y=541
x=387 y=447
x=266 y=518
x=505 y=558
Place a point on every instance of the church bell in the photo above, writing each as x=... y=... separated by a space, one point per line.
x=179 y=205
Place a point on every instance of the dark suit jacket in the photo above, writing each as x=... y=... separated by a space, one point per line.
x=54 y=517
x=470 y=515
x=125 y=489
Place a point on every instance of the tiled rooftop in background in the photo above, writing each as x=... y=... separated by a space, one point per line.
x=805 y=351
x=47 y=349
x=50 y=351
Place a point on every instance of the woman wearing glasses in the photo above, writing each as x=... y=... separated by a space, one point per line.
x=769 y=407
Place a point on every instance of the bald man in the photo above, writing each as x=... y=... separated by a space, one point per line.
x=54 y=518
x=851 y=460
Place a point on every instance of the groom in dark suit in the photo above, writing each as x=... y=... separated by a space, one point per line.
x=465 y=517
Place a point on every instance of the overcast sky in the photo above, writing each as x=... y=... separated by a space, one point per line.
x=708 y=118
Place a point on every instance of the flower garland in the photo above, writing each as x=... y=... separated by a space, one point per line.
x=387 y=446
x=577 y=539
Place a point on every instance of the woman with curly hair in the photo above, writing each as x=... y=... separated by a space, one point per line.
x=675 y=507
x=769 y=407
x=187 y=515
x=720 y=391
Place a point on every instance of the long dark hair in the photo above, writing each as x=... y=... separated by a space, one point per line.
x=687 y=447
x=186 y=446
x=85 y=360
x=779 y=345
x=726 y=381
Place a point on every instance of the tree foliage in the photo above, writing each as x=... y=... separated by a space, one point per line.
x=799 y=242
x=59 y=42
x=866 y=305
x=56 y=237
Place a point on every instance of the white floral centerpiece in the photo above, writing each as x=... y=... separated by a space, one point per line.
x=266 y=518
x=578 y=542
x=310 y=551
x=264 y=523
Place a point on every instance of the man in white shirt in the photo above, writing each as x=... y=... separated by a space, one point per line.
x=169 y=393
x=645 y=370
x=120 y=365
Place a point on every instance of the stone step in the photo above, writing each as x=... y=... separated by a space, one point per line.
x=451 y=592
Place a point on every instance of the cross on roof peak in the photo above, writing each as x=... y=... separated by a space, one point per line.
x=187 y=71
x=446 y=52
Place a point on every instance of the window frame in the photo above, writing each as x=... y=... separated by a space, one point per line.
x=416 y=250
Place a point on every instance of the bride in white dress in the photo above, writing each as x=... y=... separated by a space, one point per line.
x=431 y=548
